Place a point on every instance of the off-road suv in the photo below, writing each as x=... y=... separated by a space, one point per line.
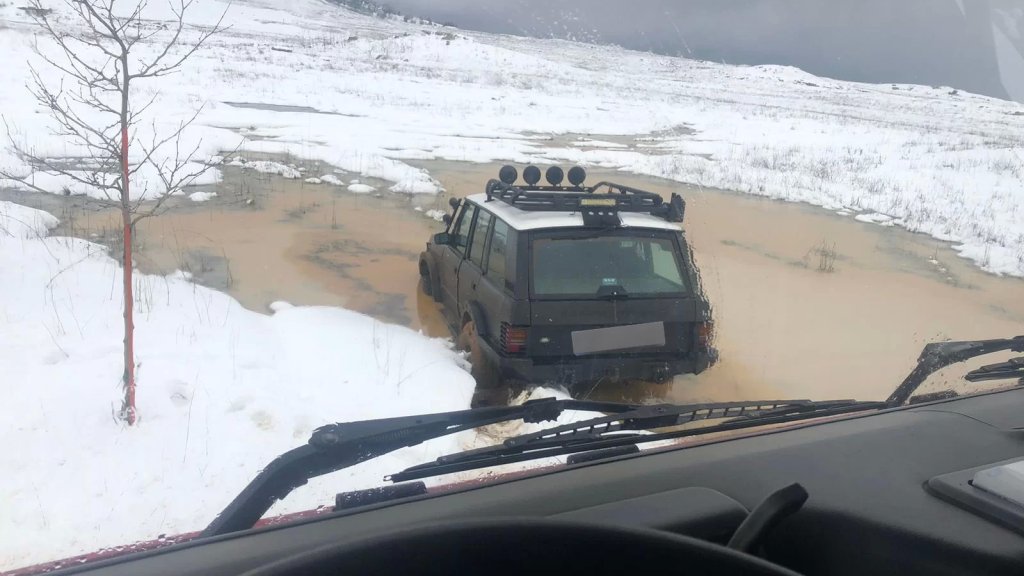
x=569 y=284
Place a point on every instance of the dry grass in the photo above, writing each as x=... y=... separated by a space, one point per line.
x=822 y=256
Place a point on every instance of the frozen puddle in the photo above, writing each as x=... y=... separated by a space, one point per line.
x=287 y=108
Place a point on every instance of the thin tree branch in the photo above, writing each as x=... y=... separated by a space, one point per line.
x=156 y=145
x=157 y=67
x=76 y=65
x=22 y=180
x=112 y=37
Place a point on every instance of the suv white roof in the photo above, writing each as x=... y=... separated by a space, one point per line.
x=527 y=220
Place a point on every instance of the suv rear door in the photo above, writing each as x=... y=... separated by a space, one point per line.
x=473 y=267
x=584 y=279
x=484 y=277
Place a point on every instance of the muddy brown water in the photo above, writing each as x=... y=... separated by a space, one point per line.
x=807 y=303
x=794 y=322
x=266 y=238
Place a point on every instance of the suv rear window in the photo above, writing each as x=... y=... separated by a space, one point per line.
x=634 y=264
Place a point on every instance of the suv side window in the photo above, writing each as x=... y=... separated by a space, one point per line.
x=460 y=238
x=476 y=251
x=497 y=259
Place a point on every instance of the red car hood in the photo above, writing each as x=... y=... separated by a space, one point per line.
x=161 y=542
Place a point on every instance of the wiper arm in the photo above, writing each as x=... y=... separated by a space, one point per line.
x=1012 y=368
x=938 y=355
x=626 y=428
x=337 y=446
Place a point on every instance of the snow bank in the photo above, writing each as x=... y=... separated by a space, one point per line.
x=270 y=167
x=202 y=196
x=361 y=188
x=17 y=221
x=221 y=391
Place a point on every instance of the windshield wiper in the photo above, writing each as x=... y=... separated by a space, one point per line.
x=339 y=446
x=938 y=355
x=1012 y=368
x=627 y=428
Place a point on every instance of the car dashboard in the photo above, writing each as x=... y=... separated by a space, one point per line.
x=873 y=507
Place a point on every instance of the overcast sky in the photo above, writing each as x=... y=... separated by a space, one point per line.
x=934 y=42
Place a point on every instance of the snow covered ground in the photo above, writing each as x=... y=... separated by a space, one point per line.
x=365 y=94
x=221 y=391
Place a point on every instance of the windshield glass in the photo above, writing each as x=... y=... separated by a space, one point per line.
x=640 y=266
x=225 y=224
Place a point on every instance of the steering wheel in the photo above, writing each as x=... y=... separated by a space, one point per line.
x=523 y=547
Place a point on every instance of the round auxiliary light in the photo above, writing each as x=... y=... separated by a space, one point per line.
x=554 y=175
x=508 y=174
x=577 y=175
x=531 y=174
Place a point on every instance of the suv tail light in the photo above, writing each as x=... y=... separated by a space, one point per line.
x=513 y=338
x=704 y=333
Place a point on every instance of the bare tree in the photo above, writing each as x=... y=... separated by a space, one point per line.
x=105 y=48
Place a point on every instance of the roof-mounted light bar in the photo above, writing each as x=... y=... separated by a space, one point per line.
x=599 y=204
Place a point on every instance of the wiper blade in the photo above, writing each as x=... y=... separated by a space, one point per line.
x=630 y=428
x=1012 y=368
x=938 y=355
x=337 y=446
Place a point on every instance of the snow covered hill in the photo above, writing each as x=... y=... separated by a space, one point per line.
x=365 y=94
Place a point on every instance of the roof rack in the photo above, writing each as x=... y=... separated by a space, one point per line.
x=599 y=204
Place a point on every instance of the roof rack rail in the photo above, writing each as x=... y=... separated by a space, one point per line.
x=599 y=204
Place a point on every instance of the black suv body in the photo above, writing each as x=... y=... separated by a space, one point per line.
x=570 y=284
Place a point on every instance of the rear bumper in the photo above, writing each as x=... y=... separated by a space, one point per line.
x=569 y=370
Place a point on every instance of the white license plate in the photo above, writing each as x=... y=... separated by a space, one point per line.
x=618 y=338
